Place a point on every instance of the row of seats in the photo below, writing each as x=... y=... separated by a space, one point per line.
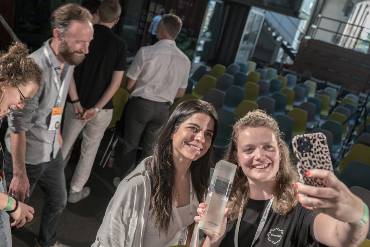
x=299 y=107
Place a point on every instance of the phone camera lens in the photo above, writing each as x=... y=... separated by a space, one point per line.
x=304 y=145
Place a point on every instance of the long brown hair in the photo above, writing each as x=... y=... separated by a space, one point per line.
x=284 y=193
x=162 y=170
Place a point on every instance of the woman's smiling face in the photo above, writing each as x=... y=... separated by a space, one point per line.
x=193 y=137
x=258 y=154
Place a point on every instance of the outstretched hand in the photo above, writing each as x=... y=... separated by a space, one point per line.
x=335 y=199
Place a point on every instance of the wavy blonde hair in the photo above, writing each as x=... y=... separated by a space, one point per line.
x=284 y=193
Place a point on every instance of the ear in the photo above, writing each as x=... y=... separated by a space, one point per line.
x=57 y=34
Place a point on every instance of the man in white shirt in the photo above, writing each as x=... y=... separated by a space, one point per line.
x=158 y=75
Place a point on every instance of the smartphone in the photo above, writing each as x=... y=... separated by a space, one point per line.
x=312 y=152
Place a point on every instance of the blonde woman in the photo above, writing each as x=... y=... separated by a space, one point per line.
x=268 y=207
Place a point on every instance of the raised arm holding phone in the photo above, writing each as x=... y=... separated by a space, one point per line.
x=267 y=205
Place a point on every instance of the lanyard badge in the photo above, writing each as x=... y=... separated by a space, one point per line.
x=62 y=87
x=56 y=118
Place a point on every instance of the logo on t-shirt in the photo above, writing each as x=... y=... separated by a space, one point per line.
x=275 y=235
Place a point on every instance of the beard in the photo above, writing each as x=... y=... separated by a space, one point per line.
x=71 y=57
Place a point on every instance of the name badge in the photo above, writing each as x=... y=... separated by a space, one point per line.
x=56 y=118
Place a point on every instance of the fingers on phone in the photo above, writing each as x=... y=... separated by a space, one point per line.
x=313 y=203
x=317 y=192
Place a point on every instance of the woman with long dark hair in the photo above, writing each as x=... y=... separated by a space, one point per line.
x=20 y=78
x=268 y=207
x=156 y=203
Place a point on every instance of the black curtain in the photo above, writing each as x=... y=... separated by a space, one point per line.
x=235 y=17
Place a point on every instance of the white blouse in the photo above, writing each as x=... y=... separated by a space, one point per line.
x=181 y=218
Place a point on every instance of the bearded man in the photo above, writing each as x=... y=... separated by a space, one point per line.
x=33 y=139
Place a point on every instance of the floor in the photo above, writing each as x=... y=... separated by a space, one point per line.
x=80 y=221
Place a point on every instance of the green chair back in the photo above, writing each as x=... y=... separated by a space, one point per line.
x=325 y=104
x=217 y=70
x=252 y=91
x=244 y=107
x=119 y=101
x=289 y=94
x=203 y=85
x=339 y=117
x=358 y=152
x=254 y=76
x=350 y=101
x=300 y=118
x=311 y=88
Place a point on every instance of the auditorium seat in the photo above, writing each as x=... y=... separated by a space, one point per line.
x=203 y=85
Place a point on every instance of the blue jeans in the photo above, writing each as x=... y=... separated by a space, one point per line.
x=5 y=235
x=50 y=177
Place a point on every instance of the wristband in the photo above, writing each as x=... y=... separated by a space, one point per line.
x=9 y=207
x=365 y=216
x=75 y=101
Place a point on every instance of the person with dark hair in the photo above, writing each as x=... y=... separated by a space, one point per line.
x=157 y=75
x=20 y=78
x=89 y=108
x=33 y=138
x=268 y=207
x=155 y=204
x=92 y=6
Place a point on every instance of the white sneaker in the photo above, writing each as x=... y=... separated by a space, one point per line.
x=78 y=196
x=58 y=244
x=116 y=181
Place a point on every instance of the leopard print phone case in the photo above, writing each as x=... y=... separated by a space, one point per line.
x=312 y=152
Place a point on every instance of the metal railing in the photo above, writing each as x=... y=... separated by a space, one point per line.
x=8 y=29
x=340 y=33
x=287 y=48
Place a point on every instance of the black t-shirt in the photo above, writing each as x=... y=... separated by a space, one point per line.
x=294 y=229
x=107 y=53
